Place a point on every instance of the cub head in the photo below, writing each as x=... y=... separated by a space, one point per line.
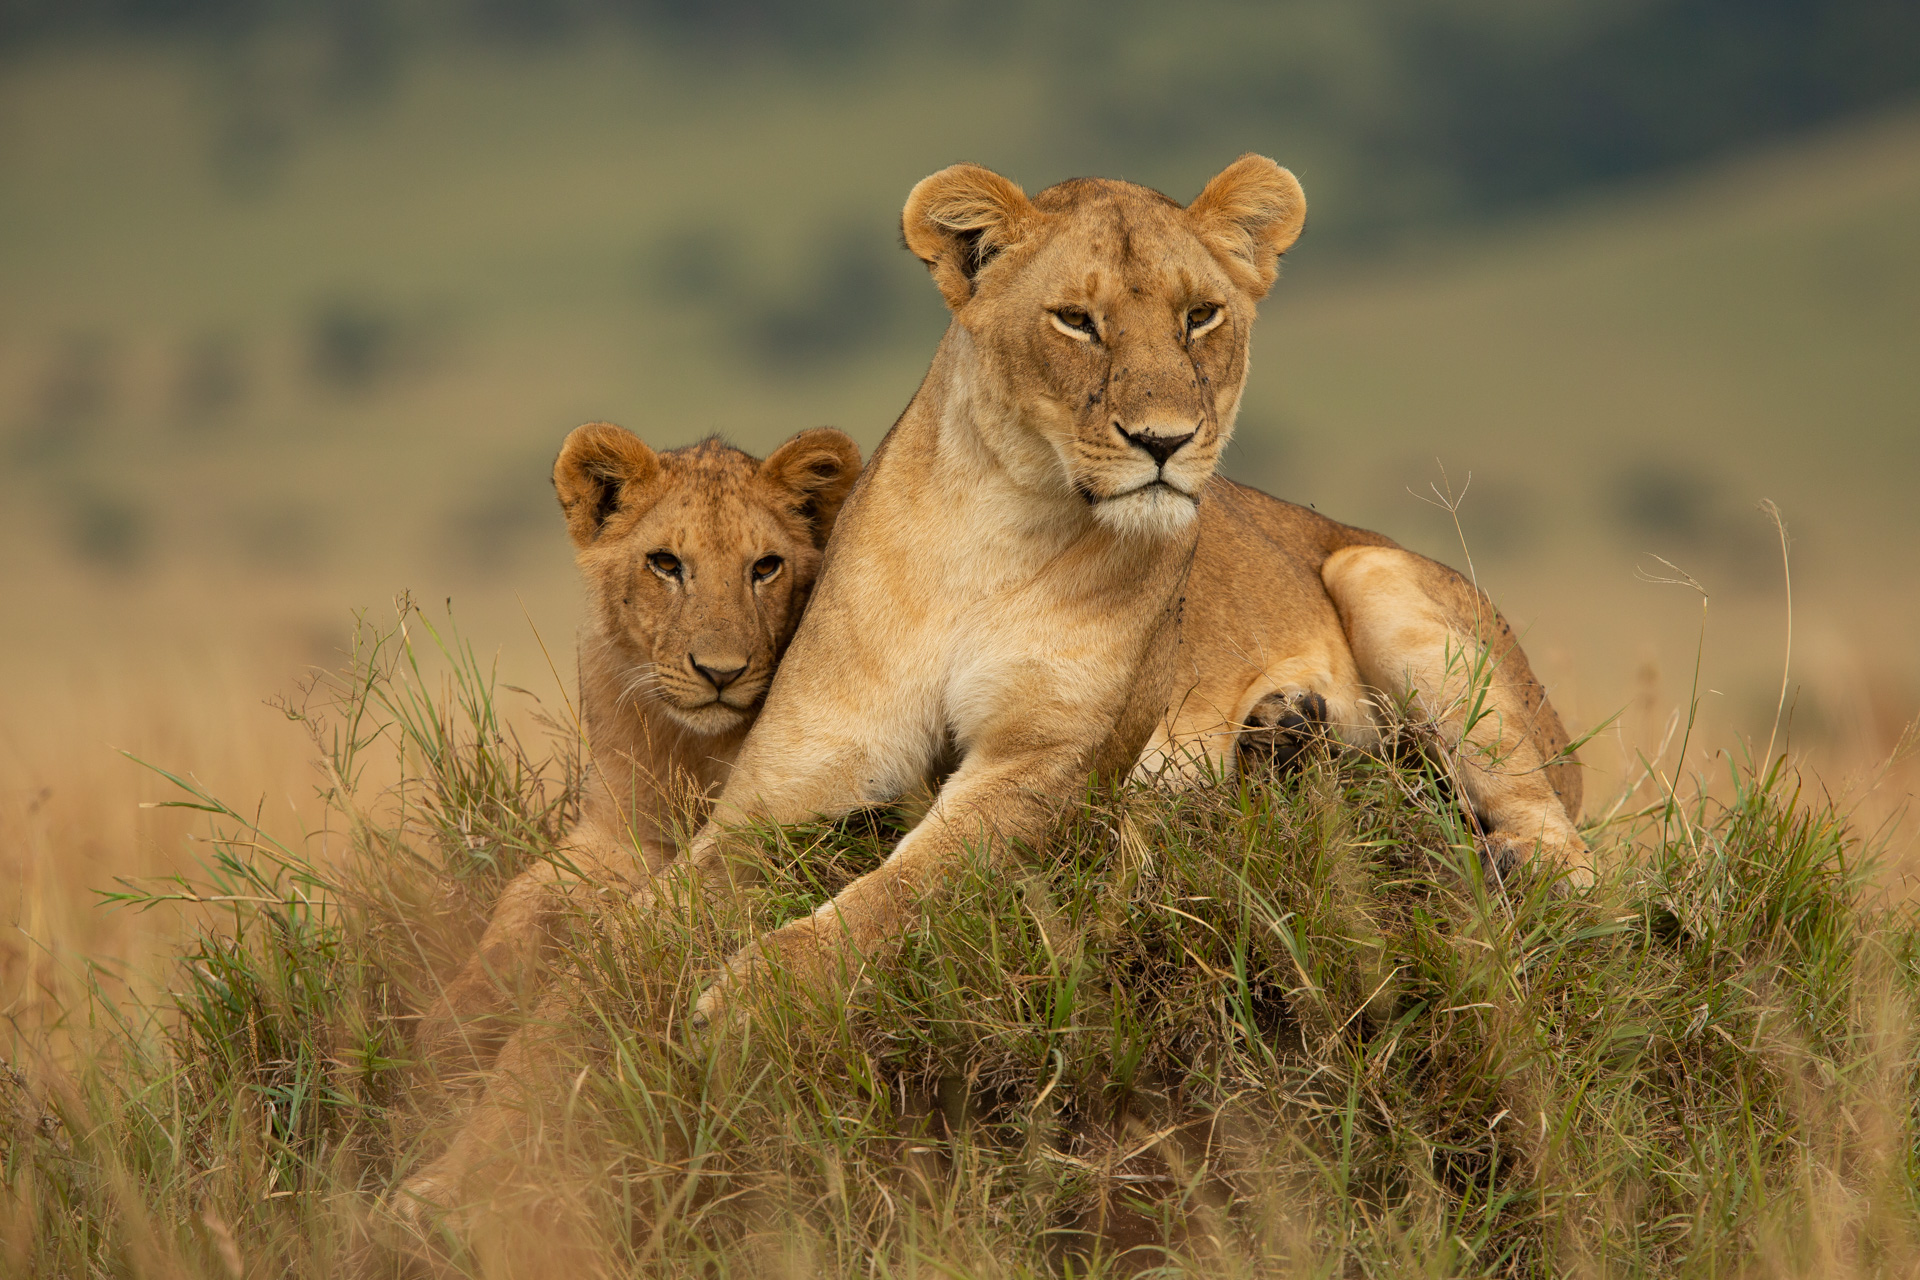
x=699 y=561
x=1110 y=324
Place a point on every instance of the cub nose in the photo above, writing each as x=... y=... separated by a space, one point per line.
x=718 y=677
x=1159 y=447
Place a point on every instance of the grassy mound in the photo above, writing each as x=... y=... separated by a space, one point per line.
x=1282 y=1026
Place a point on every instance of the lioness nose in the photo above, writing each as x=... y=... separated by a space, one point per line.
x=718 y=677
x=1158 y=447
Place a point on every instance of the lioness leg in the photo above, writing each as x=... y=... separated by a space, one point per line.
x=1242 y=712
x=1418 y=627
x=993 y=800
x=1023 y=756
x=462 y=1028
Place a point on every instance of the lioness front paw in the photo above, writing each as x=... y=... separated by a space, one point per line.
x=1570 y=867
x=794 y=950
x=1281 y=726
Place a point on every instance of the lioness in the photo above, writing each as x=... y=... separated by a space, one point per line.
x=1036 y=574
x=698 y=563
x=1005 y=594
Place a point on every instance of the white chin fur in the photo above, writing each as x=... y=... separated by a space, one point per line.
x=713 y=718
x=1154 y=512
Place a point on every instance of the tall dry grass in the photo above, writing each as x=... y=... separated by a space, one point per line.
x=75 y=813
x=1280 y=1027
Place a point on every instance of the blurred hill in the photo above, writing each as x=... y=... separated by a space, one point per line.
x=1410 y=111
x=296 y=302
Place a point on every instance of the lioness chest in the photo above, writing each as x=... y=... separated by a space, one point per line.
x=982 y=628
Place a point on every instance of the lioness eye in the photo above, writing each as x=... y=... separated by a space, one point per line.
x=1074 y=322
x=765 y=567
x=1201 y=318
x=664 y=563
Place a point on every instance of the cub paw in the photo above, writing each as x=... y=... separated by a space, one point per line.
x=1281 y=726
x=421 y=1216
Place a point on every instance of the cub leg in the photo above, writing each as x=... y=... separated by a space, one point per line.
x=1416 y=626
x=501 y=1131
x=462 y=1028
x=839 y=774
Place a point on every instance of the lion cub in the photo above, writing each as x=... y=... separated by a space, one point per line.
x=698 y=564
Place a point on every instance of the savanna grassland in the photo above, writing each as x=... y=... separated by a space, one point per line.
x=248 y=387
x=260 y=369
x=1287 y=1025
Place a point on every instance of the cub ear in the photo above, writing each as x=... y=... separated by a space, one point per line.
x=1249 y=215
x=810 y=475
x=601 y=469
x=958 y=219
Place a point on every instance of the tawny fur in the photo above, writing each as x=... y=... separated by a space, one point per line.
x=746 y=539
x=1094 y=325
x=1019 y=592
x=1002 y=593
x=1283 y=602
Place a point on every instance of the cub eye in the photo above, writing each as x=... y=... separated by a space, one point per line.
x=1202 y=318
x=1074 y=322
x=765 y=567
x=664 y=563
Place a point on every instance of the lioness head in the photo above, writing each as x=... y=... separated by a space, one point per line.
x=699 y=561
x=1109 y=321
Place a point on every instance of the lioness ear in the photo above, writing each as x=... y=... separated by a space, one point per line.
x=958 y=219
x=1249 y=215
x=810 y=475
x=601 y=468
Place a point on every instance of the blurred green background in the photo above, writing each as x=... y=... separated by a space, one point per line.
x=297 y=299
